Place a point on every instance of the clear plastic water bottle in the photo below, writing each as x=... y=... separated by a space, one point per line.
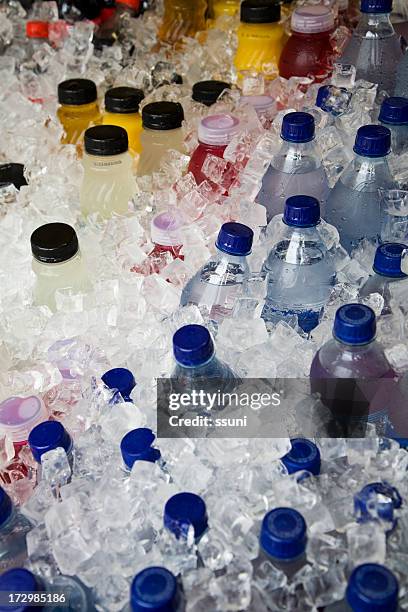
x=353 y=206
x=122 y=380
x=222 y=280
x=49 y=436
x=401 y=86
x=296 y=168
x=183 y=511
x=13 y=530
x=61 y=593
x=303 y=456
x=300 y=270
x=156 y=589
x=387 y=269
x=283 y=540
x=370 y=587
x=351 y=373
x=137 y=445
x=375 y=48
x=394 y=116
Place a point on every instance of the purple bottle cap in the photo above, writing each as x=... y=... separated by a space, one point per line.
x=312 y=19
x=165 y=229
x=261 y=104
x=218 y=129
x=19 y=415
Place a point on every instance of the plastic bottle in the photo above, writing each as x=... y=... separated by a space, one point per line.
x=387 y=269
x=185 y=510
x=371 y=587
x=108 y=183
x=182 y=18
x=137 y=445
x=13 y=530
x=401 y=85
x=122 y=109
x=67 y=590
x=208 y=92
x=353 y=206
x=215 y=132
x=341 y=367
x=394 y=116
x=308 y=52
x=78 y=108
x=14 y=174
x=167 y=239
x=57 y=263
x=296 y=169
x=225 y=7
x=48 y=436
x=222 y=280
x=156 y=589
x=18 y=416
x=300 y=271
x=162 y=131
x=374 y=48
x=37 y=34
x=121 y=379
x=283 y=540
x=303 y=456
x=195 y=358
x=260 y=37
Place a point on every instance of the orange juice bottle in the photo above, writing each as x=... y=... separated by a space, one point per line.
x=78 y=108
x=182 y=18
x=122 y=109
x=260 y=37
x=225 y=7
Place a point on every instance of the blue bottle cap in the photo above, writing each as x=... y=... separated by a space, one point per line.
x=6 y=506
x=373 y=141
x=283 y=534
x=394 y=111
x=298 y=127
x=354 y=324
x=372 y=588
x=47 y=436
x=18 y=580
x=183 y=510
x=322 y=95
x=154 y=589
x=301 y=211
x=137 y=446
x=120 y=379
x=376 y=6
x=387 y=260
x=235 y=239
x=304 y=455
x=388 y=500
x=192 y=345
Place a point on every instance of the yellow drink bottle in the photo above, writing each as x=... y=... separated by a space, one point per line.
x=78 y=108
x=260 y=37
x=225 y=7
x=182 y=18
x=161 y=132
x=122 y=109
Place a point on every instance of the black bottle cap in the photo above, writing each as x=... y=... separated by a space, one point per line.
x=54 y=243
x=12 y=173
x=106 y=140
x=162 y=115
x=123 y=100
x=208 y=92
x=77 y=91
x=260 y=11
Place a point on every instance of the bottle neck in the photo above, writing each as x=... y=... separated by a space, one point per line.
x=375 y=24
x=197 y=366
x=354 y=348
x=228 y=258
x=298 y=149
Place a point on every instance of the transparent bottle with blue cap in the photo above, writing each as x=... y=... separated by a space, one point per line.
x=354 y=204
x=223 y=279
x=137 y=445
x=371 y=588
x=374 y=47
x=299 y=269
x=183 y=512
x=49 y=436
x=352 y=375
x=14 y=527
x=394 y=116
x=386 y=270
x=156 y=589
x=122 y=380
x=60 y=593
x=283 y=541
x=304 y=456
x=296 y=169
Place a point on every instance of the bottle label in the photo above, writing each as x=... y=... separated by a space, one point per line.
x=107 y=164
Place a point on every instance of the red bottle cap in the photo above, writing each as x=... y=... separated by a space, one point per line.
x=37 y=29
x=133 y=4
